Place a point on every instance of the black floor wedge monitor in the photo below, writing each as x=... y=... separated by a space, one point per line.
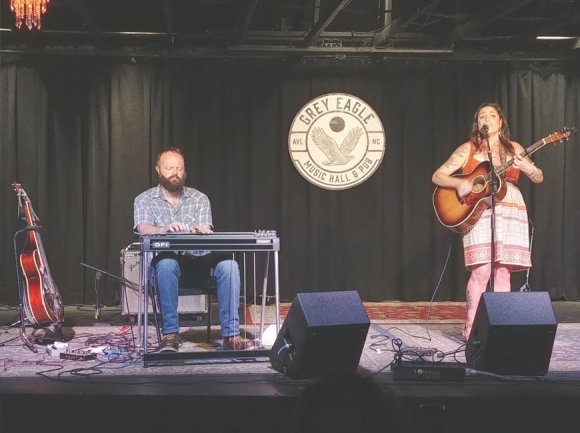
x=323 y=332
x=513 y=334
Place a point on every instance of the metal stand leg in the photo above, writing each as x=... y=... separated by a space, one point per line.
x=264 y=294
x=22 y=332
x=143 y=307
x=209 y=305
x=277 y=291
x=153 y=296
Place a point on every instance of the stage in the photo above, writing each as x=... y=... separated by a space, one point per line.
x=116 y=392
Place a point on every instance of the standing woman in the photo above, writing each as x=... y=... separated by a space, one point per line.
x=512 y=247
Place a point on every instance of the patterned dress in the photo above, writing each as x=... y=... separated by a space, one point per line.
x=512 y=244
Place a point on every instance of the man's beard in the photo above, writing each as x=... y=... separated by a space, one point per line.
x=172 y=184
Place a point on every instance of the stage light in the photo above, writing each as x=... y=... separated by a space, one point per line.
x=555 y=38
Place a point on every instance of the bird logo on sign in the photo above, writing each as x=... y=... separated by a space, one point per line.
x=337 y=155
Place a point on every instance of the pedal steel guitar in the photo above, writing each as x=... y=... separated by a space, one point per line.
x=252 y=242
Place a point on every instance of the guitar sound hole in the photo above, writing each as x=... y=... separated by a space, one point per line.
x=478 y=185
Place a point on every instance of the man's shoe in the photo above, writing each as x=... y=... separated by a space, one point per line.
x=238 y=343
x=169 y=343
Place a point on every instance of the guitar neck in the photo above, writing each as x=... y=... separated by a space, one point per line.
x=534 y=147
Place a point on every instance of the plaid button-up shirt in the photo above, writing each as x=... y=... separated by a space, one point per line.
x=151 y=207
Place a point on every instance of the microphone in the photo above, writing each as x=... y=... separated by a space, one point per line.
x=484 y=128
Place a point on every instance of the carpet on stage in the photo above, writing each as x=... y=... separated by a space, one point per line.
x=380 y=312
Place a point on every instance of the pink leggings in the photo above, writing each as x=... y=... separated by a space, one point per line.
x=477 y=284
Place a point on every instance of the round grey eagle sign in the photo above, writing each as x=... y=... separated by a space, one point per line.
x=336 y=141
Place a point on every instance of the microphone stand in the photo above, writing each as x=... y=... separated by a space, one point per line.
x=526 y=287
x=98 y=274
x=494 y=188
x=125 y=281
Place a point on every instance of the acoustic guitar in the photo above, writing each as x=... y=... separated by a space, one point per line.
x=42 y=300
x=460 y=214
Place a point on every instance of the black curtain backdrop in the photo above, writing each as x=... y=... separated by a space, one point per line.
x=81 y=136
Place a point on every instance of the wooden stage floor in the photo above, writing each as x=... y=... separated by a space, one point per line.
x=118 y=392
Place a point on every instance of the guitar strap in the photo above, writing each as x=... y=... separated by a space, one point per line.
x=20 y=210
x=502 y=156
x=21 y=214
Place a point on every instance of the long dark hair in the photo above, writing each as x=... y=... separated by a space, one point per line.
x=504 y=133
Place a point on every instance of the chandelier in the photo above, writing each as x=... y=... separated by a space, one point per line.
x=28 y=12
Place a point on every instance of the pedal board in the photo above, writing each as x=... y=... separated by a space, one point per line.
x=422 y=371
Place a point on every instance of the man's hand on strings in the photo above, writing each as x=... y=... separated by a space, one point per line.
x=174 y=227
x=201 y=228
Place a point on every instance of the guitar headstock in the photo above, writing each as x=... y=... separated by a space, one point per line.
x=20 y=191
x=560 y=136
x=24 y=202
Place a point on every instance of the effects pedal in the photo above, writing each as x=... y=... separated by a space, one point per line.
x=56 y=349
x=78 y=355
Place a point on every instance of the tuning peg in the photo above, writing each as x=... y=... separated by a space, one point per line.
x=569 y=132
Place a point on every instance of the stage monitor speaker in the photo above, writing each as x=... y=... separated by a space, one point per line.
x=323 y=332
x=513 y=334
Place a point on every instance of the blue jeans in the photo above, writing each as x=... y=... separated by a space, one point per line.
x=173 y=271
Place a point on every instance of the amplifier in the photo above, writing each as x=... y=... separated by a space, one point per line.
x=130 y=256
